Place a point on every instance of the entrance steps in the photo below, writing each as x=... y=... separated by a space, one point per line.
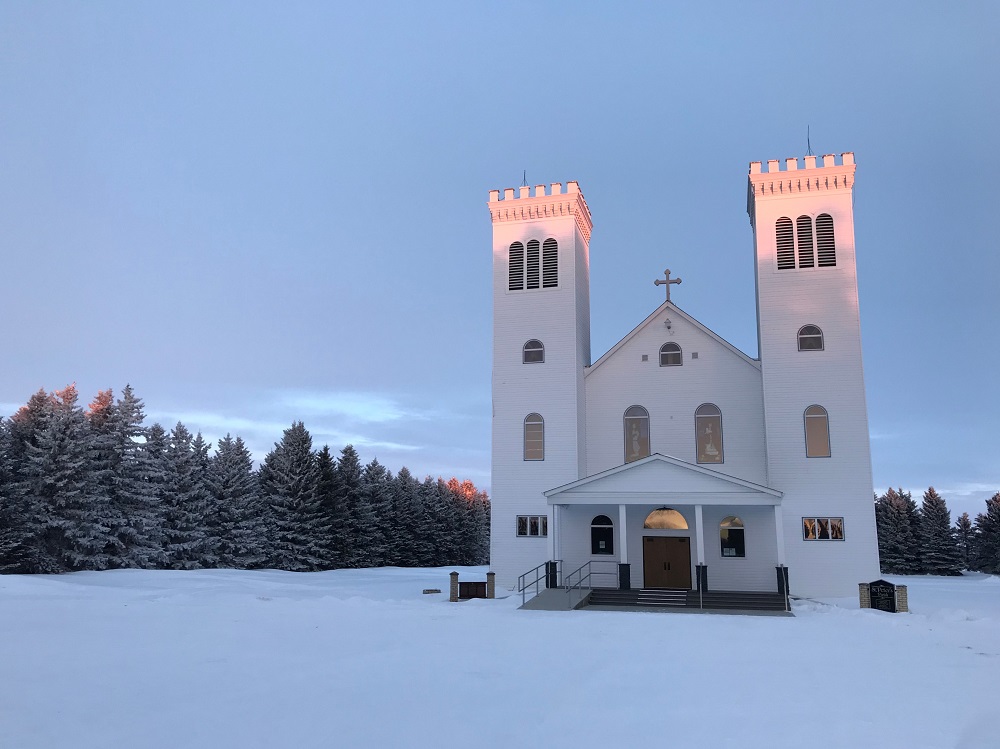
x=730 y=600
x=638 y=597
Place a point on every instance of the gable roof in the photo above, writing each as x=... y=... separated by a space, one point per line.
x=673 y=309
x=663 y=479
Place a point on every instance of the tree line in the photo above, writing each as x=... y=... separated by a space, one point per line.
x=916 y=540
x=95 y=489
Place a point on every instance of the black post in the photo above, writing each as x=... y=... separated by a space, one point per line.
x=551 y=575
x=624 y=576
x=782 y=572
x=701 y=570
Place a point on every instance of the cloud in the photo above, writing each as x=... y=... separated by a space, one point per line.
x=366 y=408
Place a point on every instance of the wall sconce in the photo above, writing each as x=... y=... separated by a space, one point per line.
x=668 y=323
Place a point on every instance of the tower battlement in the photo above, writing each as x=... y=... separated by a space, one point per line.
x=778 y=182
x=520 y=205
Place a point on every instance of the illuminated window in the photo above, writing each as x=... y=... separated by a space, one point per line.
x=665 y=519
x=534 y=437
x=817 y=426
x=810 y=338
x=602 y=535
x=708 y=433
x=670 y=355
x=822 y=529
x=532 y=525
x=516 y=267
x=534 y=352
x=786 y=243
x=826 y=248
x=804 y=228
x=636 y=433
x=550 y=264
x=731 y=537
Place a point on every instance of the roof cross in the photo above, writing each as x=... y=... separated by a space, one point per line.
x=661 y=282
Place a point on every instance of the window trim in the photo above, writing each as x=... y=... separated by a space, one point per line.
x=825 y=416
x=541 y=423
x=810 y=336
x=675 y=348
x=636 y=419
x=721 y=449
x=525 y=350
x=540 y=522
x=606 y=529
x=732 y=529
x=830 y=528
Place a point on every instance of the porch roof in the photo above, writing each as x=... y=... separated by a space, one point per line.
x=662 y=479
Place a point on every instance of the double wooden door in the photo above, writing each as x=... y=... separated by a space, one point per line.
x=666 y=562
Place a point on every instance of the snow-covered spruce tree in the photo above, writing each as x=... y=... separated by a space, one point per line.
x=63 y=481
x=939 y=553
x=987 y=537
x=16 y=542
x=963 y=538
x=186 y=503
x=399 y=523
x=361 y=525
x=332 y=543
x=376 y=494
x=421 y=534
x=287 y=485
x=914 y=559
x=242 y=527
x=895 y=534
x=481 y=527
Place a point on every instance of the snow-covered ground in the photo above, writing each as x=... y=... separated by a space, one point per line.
x=361 y=658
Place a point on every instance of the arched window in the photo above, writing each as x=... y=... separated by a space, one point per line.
x=826 y=248
x=817 y=423
x=533 y=352
x=636 y=433
x=670 y=355
x=731 y=537
x=665 y=518
x=550 y=264
x=602 y=535
x=534 y=437
x=810 y=338
x=804 y=225
x=786 y=243
x=708 y=433
x=534 y=266
x=515 y=282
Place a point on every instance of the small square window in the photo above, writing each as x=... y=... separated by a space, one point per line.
x=645 y=357
x=822 y=529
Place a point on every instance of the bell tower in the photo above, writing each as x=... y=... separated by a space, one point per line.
x=809 y=336
x=541 y=345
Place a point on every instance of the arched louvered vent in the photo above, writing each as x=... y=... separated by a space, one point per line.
x=515 y=281
x=533 y=264
x=786 y=243
x=826 y=249
x=804 y=225
x=550 y=264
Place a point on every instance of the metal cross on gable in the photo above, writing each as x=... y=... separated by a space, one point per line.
x=661 y=282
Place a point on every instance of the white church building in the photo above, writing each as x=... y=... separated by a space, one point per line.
x=675 y=460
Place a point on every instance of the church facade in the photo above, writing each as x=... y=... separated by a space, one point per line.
x=676 y=460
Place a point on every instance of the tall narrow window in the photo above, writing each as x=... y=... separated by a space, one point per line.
x=817 y=432
x=534 y=437
x=826 y=248
x=786 y=243
x=533 y=264
x=708 y=433
x=550 y=264
x=733 y=543
x=516 y=266
x=804 y=226
x=534 y=352
x=602 y=535
x=636 y=433
x=670 y=355
x=810 y=338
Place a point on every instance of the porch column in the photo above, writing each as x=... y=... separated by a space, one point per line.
x=699 y=535
x=554 y=540
x=622 y=536
x=780 y=532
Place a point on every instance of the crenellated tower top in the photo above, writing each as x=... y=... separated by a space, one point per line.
x=521 y=205
x=778 y=182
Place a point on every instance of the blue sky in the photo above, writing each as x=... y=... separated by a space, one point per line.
x=259 y=213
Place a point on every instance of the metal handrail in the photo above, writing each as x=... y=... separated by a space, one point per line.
x=539 y=573
x=570 y=585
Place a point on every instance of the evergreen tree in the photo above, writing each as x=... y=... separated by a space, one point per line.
x=360 y=518
x=420 y=532
x=332 y=515
x=287 y=485
x=964 y=537
x=62 y=483
x=242 y=530
x=186 y=502
x=914 y=558
x=895 y=534
x=376 y=495
x=939 y=553
x=987 y=537
x=398 y=523
x=16 y=539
